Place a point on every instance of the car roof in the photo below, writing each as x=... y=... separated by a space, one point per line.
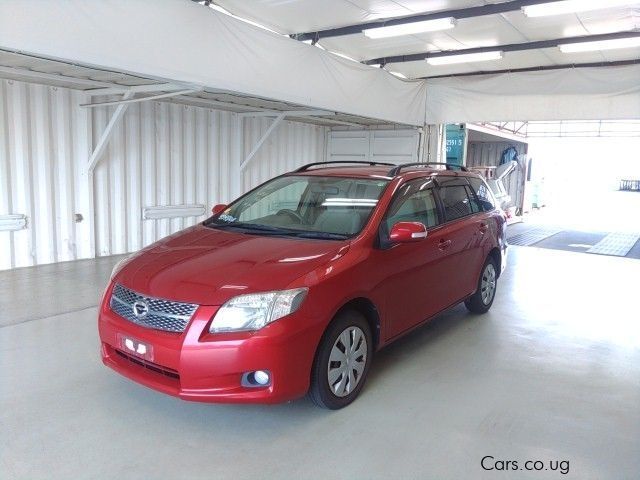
x=379 y=172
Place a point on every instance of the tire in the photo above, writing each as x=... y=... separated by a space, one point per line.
x=481 y=301
x=331 y=386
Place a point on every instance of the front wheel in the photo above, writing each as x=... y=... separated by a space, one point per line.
x=481 y=301
x=342 y=361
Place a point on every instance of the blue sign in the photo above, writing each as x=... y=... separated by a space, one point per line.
x=455 y=142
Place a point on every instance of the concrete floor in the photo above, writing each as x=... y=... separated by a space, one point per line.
x=552 y=373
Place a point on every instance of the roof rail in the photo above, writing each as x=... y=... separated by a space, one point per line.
x=450 y=166
x=306 y=167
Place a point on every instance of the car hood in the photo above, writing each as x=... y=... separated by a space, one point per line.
x=208 y=266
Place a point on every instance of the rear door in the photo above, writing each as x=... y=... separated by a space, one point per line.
x=461 y=235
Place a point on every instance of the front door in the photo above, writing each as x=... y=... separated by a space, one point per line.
x=413 y=286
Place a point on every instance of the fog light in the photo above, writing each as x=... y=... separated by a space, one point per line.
x=261 y=377
x=258 y=378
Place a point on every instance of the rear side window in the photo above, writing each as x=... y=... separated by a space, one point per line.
x=473 y=200
x=414 y=203
x=485 y=197
x=455 y=201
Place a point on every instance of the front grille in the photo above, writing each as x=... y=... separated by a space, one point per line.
x=154 y=367
x=161 y=314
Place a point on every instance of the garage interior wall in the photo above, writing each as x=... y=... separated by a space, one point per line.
x=160 y=154
x=389 y=146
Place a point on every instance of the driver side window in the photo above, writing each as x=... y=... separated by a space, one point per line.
x=415 y=203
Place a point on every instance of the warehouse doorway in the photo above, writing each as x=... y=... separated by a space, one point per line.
x=582 y=188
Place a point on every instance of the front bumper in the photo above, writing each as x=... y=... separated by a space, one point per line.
x=198 y=366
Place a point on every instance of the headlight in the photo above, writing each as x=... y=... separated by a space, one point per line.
x=118 y=266
x=254 y=311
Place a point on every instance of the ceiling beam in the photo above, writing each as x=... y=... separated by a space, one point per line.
x=512 y=47
x=471 y=12
x=147 y=88
x=210 y=103
x=496 y=131
x=332 y=121
x=619 y=63
x=53 y=77
x=288 y=113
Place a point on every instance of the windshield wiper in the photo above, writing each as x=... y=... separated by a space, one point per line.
x=259 y=229
x=250 y=226
x=322 y=235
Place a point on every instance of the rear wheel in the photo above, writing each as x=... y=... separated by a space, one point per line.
x=342 y=361
x=481 y=301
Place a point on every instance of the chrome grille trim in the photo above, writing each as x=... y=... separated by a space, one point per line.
x=163 y=314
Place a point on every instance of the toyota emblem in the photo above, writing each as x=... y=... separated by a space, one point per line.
x=140 y=309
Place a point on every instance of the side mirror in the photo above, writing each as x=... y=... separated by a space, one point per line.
x=219 y=208
x=406 y=232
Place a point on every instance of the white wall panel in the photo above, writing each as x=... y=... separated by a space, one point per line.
x=389 y=146
x=161 y=154
x=43 y=142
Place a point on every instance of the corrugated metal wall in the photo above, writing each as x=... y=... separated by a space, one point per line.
x=44 y=140
x=161 y=154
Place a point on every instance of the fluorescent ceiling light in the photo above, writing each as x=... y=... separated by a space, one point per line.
x=465 y=58
x=411 y=28
x=600 y=45
x=572 y=6
x=398 y=74
x=342 y=55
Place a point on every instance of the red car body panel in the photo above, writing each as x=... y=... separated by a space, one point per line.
x=407 y=284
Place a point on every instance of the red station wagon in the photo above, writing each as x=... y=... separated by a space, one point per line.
x=291 y=289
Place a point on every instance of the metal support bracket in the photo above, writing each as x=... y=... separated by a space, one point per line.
x=108 y=133
x=122 y=106
x=262 y=139
x=141 y=99
x=112 y=89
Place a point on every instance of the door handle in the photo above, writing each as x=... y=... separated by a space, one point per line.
x=444 y=244
x=483 y=228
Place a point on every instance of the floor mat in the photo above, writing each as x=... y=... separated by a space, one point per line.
x=616 y=244
x=532 y=236
x=572 y=241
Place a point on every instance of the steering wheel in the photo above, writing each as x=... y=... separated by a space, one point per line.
x=292 y=214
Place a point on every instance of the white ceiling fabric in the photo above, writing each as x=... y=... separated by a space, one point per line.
x=182 y=41
x=177 y=40
x=611 y=93
x=298 y=16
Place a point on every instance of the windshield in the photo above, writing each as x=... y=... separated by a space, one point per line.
x=304 y=206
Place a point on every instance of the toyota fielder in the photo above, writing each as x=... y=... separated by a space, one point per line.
x=292 y=288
